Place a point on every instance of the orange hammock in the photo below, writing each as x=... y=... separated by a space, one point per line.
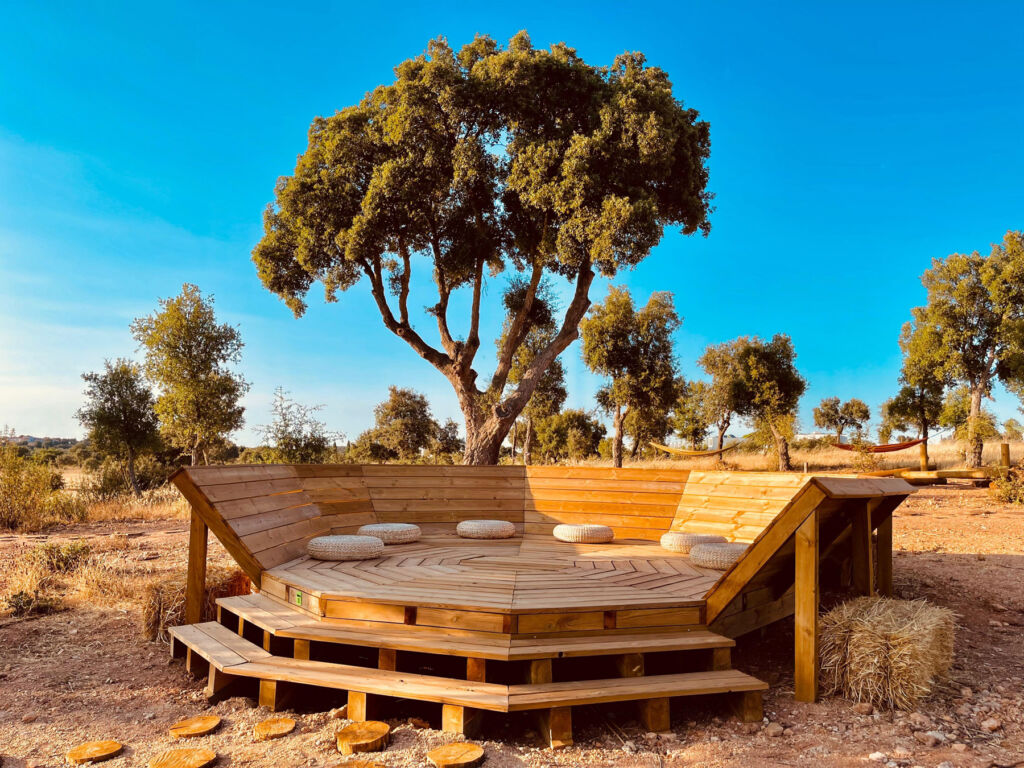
x=881 y=448
x=692 y=454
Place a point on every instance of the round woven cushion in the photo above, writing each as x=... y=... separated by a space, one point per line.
x=345 y=547
x=583 y=534
x=717 y=556
x=677 y=541
x=392 y=533
x=485 y=529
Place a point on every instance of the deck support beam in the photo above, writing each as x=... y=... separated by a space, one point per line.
x=363 y=706
x=274 y=694
x=748 y=707
x=721 y=658
x=556 y=726
x=217 y=681
x=300 y=649
x=461 y=720
x=805 y=615
x=195 y=584
x=653 y=713
x=862 y=555
x=883 y=553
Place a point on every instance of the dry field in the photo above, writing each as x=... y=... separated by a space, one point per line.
x=86 y=672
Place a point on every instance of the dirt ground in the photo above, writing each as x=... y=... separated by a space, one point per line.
x=86 y=673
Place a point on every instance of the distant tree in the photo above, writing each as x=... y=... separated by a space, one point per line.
x=691 y=418
x=119 y=415
x=368 y=450
x=836 y=416
x=643 y=425
x=295 y=435
x=971 y=331
x=404 y=423
x=187 y=357
x=767 y=387
x=1013 y=430
x=914 y=407
x=633 y=348
x=572 y=434
x=719 y=361
x=956 y=415
x=446 y=443
x=480 y=160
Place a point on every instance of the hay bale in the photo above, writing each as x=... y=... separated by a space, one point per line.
x=885 y=652
x=164 y=601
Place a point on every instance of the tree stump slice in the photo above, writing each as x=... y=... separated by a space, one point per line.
x=195 y=726
x=359 y=764
x=371 y=736
x=457 y=755
x=94 y=752
x=183 y=758
x=273 y=728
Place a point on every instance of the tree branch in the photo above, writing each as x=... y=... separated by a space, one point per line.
x=473 y=340
x=403 y=295
x=517 y=333
x=441 y=311
x=402 y=329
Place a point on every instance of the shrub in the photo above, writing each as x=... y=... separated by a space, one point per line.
x=111 y=477
x=60 y=558
x=30 y=494
x=1010 y=488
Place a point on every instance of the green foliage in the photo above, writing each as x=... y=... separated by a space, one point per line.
x=956 y=415
x=25 y=603
x=446 y=445
x=404 y=423
x=477 y=161
x=633 y=348
x=367 y=450
x=295 y=435
x=570 y=435
x=836 y=416
x=720 y=362
x=30 y=495
x=1009 y=488
x=971 y=331
x=60 y=558
x=915 y=406
x=110 y=478
x=692 y=418
x=187 y=357
x=1012 y=430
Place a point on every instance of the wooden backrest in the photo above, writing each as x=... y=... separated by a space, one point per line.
x=737 y=505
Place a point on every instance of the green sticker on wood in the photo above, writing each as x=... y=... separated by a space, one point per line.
x=298 y=598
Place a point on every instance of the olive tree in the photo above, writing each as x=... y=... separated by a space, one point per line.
x=479 y=161
x=834 y=415
x=691 y=418
x=971 y=330
x=719 y=362
x=633 y=348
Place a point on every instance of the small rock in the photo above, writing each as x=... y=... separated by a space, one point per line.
x=149 y=715
x=990 y=725
x=966 y=692
x=945 y=764
x=29 y=718
x=341 y=713
x=629 y=746
x=878 y=757
x=994 y=623
x=773 y=730
x=651 y=736
x=418 y=722
x=864 y=708
x=901 y=753
x=960 y=746
x=920 y=721
x=999 y=607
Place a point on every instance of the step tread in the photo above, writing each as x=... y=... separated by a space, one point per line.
x=283 y=621
x=223 y=645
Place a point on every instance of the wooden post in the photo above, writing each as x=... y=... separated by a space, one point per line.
x=861 y=554
x=387 y=658
x=721 y=658
x=883 y=553
x=466 y=720
x=805 y=613
x=556 y=726
x=195 y=584
x=1004 y=454
x=748 y=707
x=924 y=456
x=363 y=706
x=476 y=670
x=300 y=648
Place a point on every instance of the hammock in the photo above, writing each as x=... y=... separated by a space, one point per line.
x=692 y=454
x=881 y=448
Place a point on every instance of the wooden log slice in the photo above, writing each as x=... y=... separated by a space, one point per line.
x=359 y=764
x=94 y=752
x=370 y=736
x=183 y=758
x=273 y=728
x=457 y=755
x=195 y=726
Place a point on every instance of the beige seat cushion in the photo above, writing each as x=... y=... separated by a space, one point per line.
x=720 y=557
x=679 y=541
x=583 y=534
x=392 y=533
x=345 y=547
x=485 y=529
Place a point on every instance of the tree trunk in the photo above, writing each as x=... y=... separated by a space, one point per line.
x=782 y=448
x=617 y=422
x=132 y=478
x=528 y=442
x=975 y=444
x=723 y=426
x=839 y=435
x=515 y=440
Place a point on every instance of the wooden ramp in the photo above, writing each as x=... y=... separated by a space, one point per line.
x=528 y=623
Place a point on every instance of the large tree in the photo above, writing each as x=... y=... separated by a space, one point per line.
x=119 y=415
x=692 y=418
x=633 y=348
x=837 y=416
x=767 y=387
x=404 y=423
x=188 y=354
x=719 y=362
x=971 y=331
x=482 y=160
x=571 y=435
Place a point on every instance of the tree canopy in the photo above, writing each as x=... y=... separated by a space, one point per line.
x=295 y=435
x=571 y=435
x=479 y=161
x=691 y=418
x=119 y=414
x=633 y=348
x=837 y=416
x=187 y=357
x=719 y=362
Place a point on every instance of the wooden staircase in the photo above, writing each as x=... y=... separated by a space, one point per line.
x=257 y=639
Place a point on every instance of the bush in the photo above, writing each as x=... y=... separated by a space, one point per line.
x=1009 y=489
x=30 y=494
x=60 y=558
x=111 y=477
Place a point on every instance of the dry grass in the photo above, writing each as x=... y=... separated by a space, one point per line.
x=886 y=652
x=164 y=602
x=160 y=504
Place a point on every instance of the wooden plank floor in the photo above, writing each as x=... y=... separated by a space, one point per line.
x=519 y=575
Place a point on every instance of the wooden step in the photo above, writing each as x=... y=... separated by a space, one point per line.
x=283 y=621
x=235 y=656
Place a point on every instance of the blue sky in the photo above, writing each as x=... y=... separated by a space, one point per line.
x=139 y=144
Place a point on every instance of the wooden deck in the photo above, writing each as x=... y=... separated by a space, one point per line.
x=513 y=615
